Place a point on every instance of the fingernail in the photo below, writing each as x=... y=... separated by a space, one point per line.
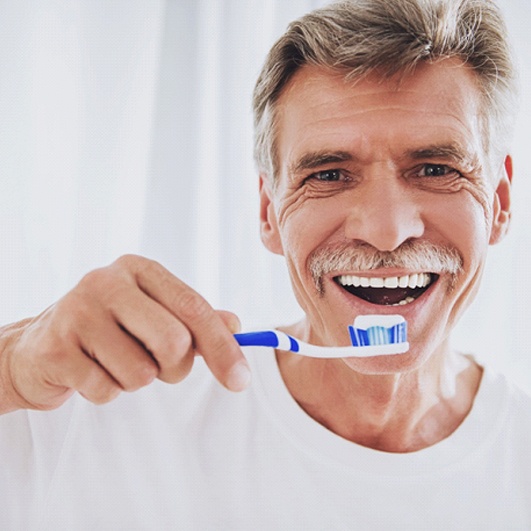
x=239 y=377
x=235 y=325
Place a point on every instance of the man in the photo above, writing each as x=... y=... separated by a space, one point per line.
x=381 y=140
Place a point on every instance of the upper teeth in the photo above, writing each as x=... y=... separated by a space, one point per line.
x=416 y=280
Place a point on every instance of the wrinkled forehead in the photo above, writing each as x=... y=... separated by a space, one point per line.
x=320 y=105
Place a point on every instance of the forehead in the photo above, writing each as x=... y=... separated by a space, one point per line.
x=375 y=116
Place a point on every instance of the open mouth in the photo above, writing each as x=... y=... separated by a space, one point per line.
x=388 y=291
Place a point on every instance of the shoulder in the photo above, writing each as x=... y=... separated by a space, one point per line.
x=501 y=389
x=520 y=402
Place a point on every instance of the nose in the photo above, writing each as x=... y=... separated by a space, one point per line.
x=385 y=213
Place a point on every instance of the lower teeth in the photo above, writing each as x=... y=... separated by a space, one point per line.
x=403 y=302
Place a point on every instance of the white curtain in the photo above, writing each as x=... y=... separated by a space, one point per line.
x=125 y=127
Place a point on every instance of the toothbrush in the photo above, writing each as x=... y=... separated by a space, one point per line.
x=371 y=335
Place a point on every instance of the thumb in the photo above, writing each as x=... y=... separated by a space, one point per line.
x=231 y=320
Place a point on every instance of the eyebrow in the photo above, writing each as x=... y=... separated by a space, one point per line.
x=312 y=160
x=450 y=151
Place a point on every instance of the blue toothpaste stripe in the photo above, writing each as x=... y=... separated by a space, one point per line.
x=401 y=332
x=359 y=336
x=353 y=338
x=378 y=335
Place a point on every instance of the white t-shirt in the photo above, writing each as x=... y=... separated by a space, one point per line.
x=195 y=456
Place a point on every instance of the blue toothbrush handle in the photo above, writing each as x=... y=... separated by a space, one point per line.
x=268 y=338
x=265 y=338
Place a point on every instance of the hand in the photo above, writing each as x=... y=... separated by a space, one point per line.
x=120 y=328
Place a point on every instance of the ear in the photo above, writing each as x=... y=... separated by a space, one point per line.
x=268 y=219
x=502 y=204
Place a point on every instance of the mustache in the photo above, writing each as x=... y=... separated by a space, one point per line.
x=413 y=255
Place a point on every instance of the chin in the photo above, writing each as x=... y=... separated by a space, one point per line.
x=394 y=364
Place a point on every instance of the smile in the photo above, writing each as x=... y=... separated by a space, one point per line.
x=387 y=291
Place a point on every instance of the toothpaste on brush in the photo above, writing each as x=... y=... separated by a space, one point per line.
x=371 y=335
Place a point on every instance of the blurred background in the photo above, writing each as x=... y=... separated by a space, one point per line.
x=126 y=127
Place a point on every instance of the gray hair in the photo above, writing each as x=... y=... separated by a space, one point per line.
x=358 y=37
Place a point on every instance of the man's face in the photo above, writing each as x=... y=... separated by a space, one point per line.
x=371 y=169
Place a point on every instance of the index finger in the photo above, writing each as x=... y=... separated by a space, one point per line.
x=211 y=336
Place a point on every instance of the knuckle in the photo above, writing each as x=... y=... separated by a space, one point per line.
x=169 y=346
x=96 y=287
x=192 y=306
x=139 y=377
x=49 y=406
x=102 y=287
x=70 y=314
x=106 y=278
x=136 y=264
x=181 y=342
x=101 y=394
x=174 y=340
x=174 y=354
x=97 y=387
x=176 y=373
x=93 y=280
x=129 y=261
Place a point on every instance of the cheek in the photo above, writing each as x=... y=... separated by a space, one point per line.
x=473 y=228
x=309 y=226
x=462 y=220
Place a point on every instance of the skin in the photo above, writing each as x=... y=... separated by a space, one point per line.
x=390 y=136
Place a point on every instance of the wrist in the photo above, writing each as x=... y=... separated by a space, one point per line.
x=10 y=398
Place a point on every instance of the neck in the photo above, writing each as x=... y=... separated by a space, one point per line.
x=401 y=412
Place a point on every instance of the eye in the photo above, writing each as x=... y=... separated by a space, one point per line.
x=327 y=175
x=436 y=170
